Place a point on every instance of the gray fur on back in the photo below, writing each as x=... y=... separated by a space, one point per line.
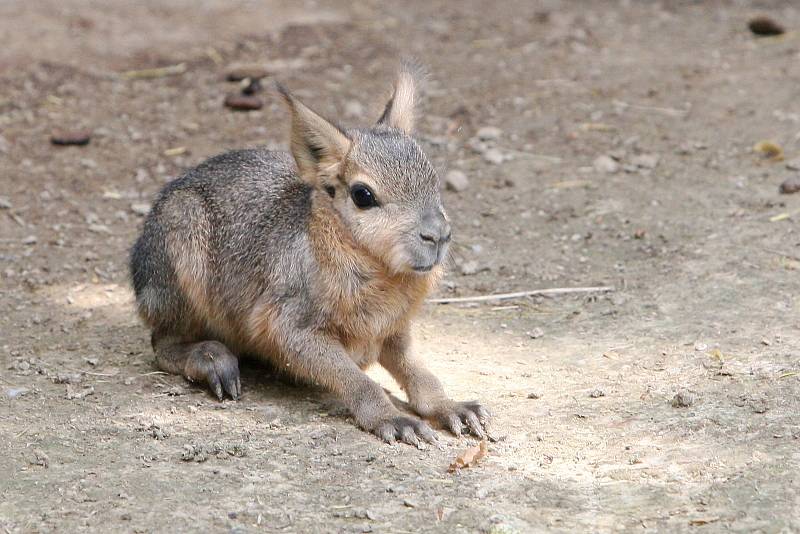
x=257 y=210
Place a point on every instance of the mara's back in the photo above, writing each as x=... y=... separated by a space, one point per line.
x=216 y=237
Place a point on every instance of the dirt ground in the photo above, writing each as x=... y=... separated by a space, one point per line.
x=624 y=158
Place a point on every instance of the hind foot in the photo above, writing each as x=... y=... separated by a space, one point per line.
x=208 y=362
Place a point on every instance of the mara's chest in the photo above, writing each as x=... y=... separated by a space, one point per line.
x=365 y=316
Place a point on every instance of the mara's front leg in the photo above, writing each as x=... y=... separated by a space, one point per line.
x=425 y=392
x=316 y=357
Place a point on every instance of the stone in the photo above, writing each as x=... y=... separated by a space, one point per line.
x=790 y=186
x=77 y=137
x=456 y=181
x=494 y=156
x=793 y=164
x=605 y=164
x=682 y=399
x=765 y=26
x=140 y=208
x=239 y=102
x=468 y=268
x=645 y=161
x=243 y=72
x=489 y=133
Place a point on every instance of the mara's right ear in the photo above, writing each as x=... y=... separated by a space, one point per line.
x=314 y=139
x=401 y=110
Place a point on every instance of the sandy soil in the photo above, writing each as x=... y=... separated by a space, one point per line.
x=690 y=229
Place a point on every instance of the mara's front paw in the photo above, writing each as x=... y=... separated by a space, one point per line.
x=406 y=429
x=460 y=416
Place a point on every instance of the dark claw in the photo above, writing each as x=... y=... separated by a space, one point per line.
x=213 y=364
x=454 y=424
x=458 y=414
x=484 y=415
x=474 y=424
x=409 y=430
x=409 y=437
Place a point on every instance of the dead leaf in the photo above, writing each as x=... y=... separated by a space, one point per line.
x=783 y=216
x=597 y=127
x=177 y=151
x=769 y=150
x=570 y=184
x=469 y=457
x=703 y=520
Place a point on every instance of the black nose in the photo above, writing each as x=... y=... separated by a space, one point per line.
x=429 y=237
x=435 y=228
x=433 y=237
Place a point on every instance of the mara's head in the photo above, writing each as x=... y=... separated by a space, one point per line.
x=377 y=179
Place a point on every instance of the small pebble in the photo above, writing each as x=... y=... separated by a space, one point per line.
x=5 y=204
x=489 y=133
x=254 y=72
x=15 y=393
x=605 y=164
x=597 y=393
x=536 y=333
x=68 y=378
x=759 y=405
x=253 y=87
x=534 y=395
x=494 y=156
x=793 y=164
x=765 y=26
x=790 y=186
x=468 y=268
x=99 y=229
x=645 y=161
x=140 y=208
x=30 y=240
x=477 y=146
x=682 y=399
x=40 y=458
x=409 y=503
x=456 y=181
x=243 y=102
x=71 y=137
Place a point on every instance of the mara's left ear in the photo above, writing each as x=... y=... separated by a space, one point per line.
x=314 y=139
x=401 y=110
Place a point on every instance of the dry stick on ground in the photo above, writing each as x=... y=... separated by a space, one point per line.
x=158 y=72
x=784 y=254
x=520 y=294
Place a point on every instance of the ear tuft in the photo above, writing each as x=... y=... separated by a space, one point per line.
x=314 y=139
x=401 y=110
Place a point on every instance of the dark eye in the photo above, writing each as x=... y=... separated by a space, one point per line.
x=363 y=197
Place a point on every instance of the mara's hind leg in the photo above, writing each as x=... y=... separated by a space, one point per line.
x=208 y=362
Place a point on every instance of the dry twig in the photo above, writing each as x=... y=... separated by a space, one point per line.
x=521 y=294
x=160 y=72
